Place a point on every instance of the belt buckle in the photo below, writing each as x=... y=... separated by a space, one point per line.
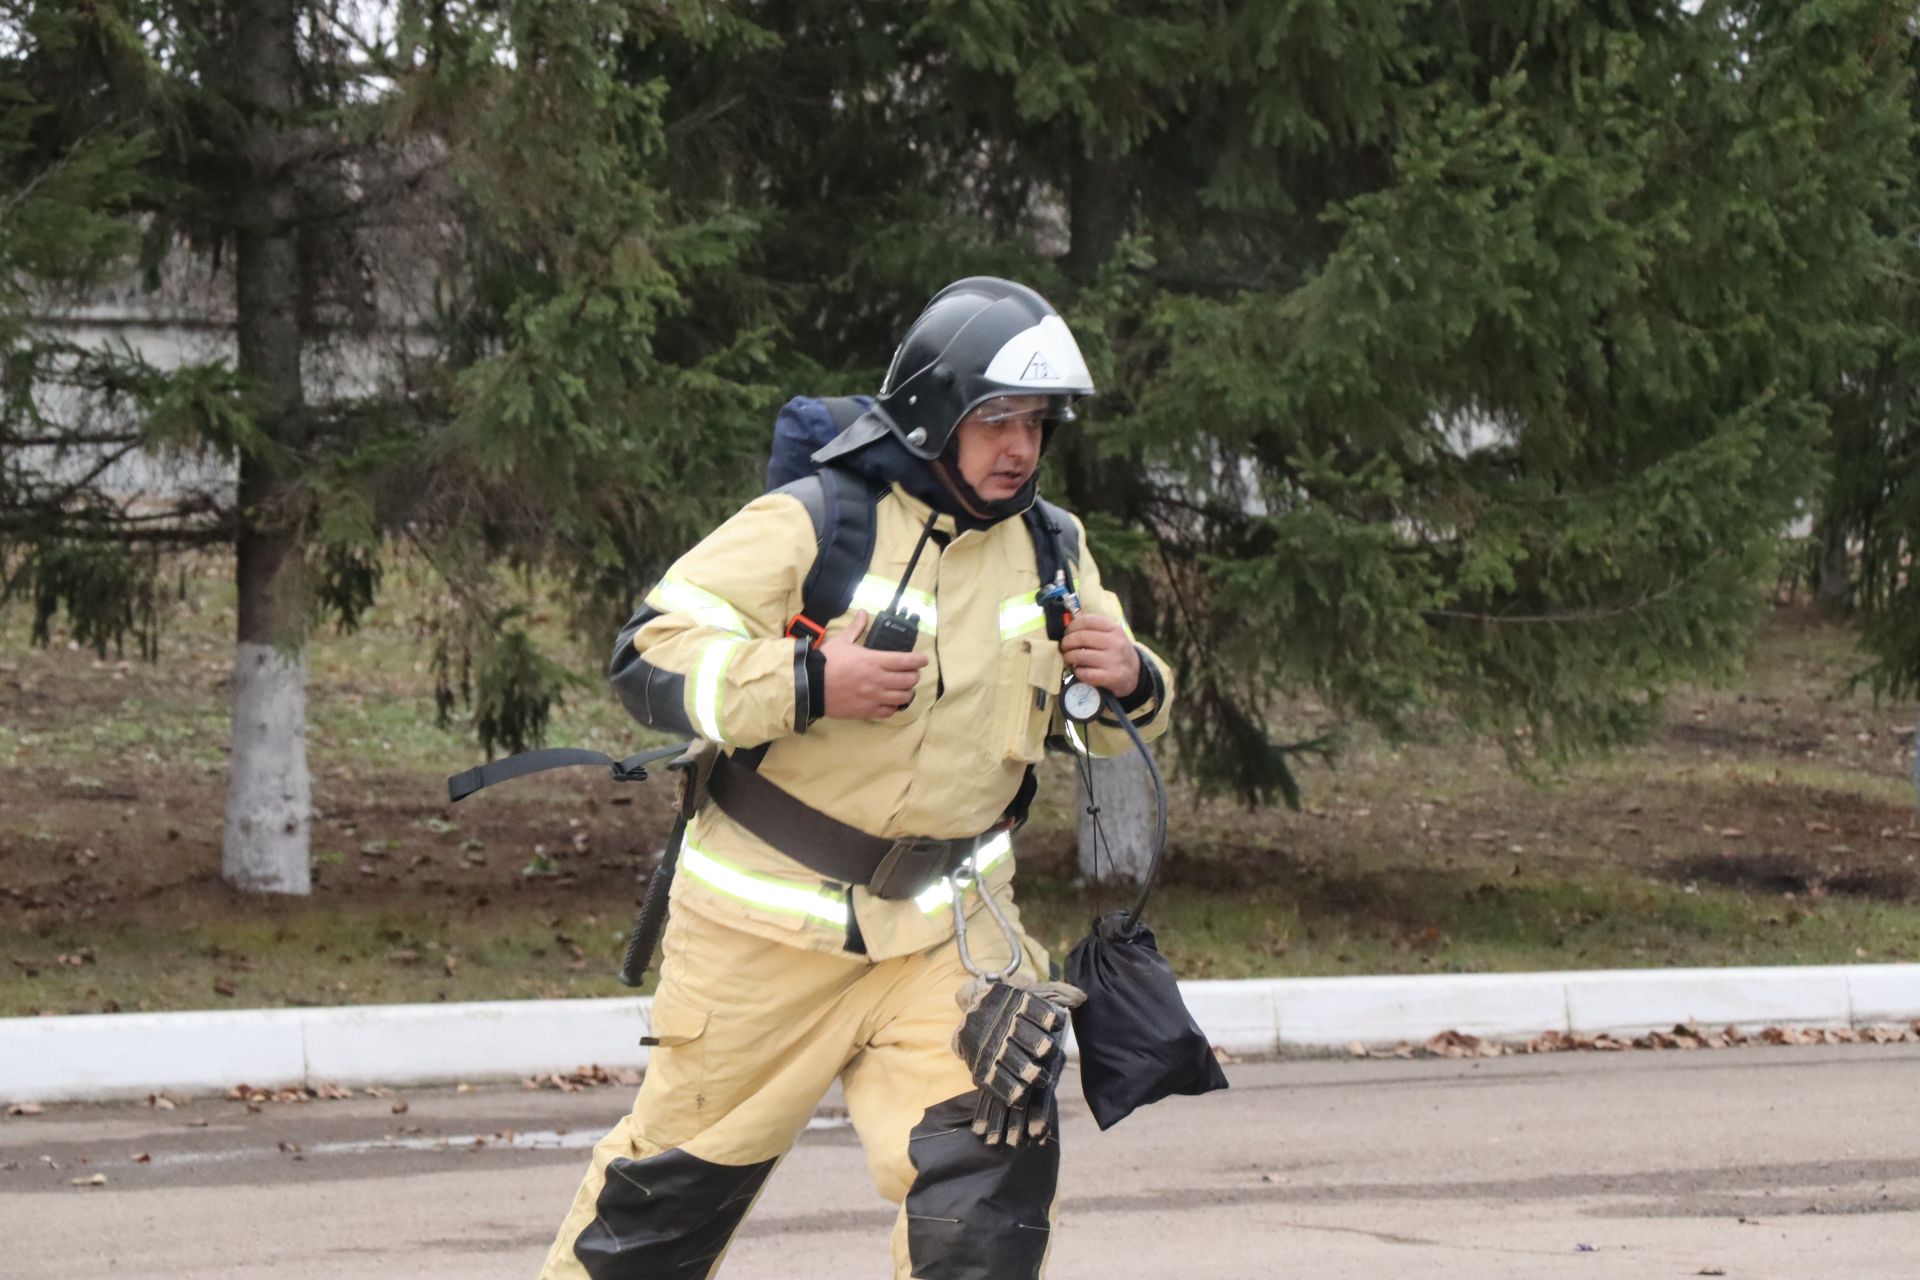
x=913 y=863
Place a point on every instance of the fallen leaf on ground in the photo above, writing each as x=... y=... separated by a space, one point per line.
x=97 y=1180
x=400 y=1108
x=141 y=1157
x=588 y=1077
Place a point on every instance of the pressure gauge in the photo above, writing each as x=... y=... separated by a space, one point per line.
x=1080 y=701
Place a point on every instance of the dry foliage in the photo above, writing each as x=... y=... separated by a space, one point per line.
x=1689 y=1035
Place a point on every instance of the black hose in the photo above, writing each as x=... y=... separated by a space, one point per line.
x=1160 y=810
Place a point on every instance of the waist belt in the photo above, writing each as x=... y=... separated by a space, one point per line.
x=889 y=868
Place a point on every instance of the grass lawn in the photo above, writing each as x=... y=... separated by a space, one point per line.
x=1771 y=822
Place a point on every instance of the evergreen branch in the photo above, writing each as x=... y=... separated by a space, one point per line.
x=1196 y=642
x=204 y=536
x=14 y=201
x=153 y=320
x=184 y=512
x=69 y=441
x=1645 y=602
x=452 y=583
x=100 y=469
x=376 y=64
x=28 y=515
x=377 y=194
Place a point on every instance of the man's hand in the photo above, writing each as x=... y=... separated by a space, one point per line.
x=863 y=683
x=1100 y=654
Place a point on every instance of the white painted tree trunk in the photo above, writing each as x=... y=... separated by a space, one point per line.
x=1124 y=790
x=264 y=848
x=269 y=805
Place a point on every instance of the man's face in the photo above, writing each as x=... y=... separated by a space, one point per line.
x=997 y=445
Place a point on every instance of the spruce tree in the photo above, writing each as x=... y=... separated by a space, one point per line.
x=449 y=281
x=1462 y=362
x=1873 y=494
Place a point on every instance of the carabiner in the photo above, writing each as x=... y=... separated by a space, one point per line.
x=963 y=879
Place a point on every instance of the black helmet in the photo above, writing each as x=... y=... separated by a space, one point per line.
x=979 y=338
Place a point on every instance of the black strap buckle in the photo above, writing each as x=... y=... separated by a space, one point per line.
x=914 y=862
x=634 y=767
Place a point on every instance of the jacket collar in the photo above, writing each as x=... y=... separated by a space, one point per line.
x=919 y=510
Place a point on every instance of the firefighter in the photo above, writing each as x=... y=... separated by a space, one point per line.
x=872 y=765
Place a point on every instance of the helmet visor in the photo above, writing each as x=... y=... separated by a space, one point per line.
x=1042 y=411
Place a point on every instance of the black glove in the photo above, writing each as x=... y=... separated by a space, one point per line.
x=1013 y=1040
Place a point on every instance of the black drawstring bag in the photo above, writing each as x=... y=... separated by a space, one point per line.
x=1138 y=1043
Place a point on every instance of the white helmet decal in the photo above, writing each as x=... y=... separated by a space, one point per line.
x=1044 y=357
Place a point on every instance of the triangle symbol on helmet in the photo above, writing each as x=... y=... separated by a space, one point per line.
x=1038 y=370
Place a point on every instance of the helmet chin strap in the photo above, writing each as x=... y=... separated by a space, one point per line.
x=977 y=507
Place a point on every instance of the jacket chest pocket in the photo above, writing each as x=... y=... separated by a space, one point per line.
x=1031 y=668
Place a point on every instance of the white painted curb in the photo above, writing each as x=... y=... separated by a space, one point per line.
x=100 y=1056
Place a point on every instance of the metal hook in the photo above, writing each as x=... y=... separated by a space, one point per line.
x=962 y=879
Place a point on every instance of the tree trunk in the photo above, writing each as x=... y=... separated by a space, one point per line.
x=1124 y=790
x=1097 y=208
x=1835 y=576
x=265 y=843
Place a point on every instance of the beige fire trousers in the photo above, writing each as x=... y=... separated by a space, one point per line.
x=751 y=1033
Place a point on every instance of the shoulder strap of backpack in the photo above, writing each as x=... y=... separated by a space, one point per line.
x=1056 y=546
x=840 y=504
x=1056 y=540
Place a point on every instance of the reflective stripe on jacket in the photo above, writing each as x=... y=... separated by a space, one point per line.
x=707 y=654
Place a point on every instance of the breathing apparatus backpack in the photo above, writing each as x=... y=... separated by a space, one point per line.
x=841 y=504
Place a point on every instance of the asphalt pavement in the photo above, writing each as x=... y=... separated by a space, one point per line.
x=1799 y=1162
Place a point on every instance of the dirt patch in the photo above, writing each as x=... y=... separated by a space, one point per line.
x=1778 y=872
x=1752 y=740
x=149 y=845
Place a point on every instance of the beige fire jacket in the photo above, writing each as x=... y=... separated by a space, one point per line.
x=708 y=655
